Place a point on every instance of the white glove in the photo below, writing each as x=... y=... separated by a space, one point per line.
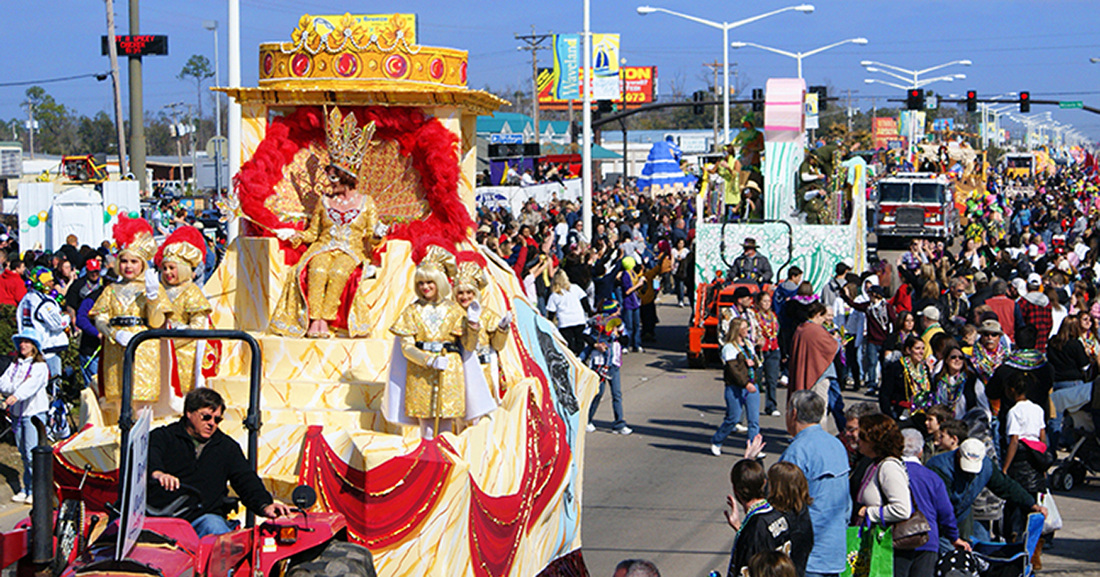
x=369 y=271
x=439 y=363
x=123 y=338
x=284 y=233
x=505 y=321
x=473 y=312
x=152 y=283
x=381 y=229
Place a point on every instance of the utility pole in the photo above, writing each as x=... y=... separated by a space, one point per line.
x=112 y=51
x=178 y=131
x=137 y=110
x=31 y=125
x=715 y=67
x=534 y=44
x=848 y=110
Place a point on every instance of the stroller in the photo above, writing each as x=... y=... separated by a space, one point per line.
x=1084 y=455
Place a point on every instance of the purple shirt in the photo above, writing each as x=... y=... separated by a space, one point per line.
x=930 y=495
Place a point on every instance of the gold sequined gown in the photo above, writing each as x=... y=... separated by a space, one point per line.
x=190 y=310
x=490 y=341
x=338 y=244
x=127 y=299
x=443 y=321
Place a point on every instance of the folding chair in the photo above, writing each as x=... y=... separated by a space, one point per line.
x=1012 y=559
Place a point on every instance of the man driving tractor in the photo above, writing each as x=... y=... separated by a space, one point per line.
x=192 y=453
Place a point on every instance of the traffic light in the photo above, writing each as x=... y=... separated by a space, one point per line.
x=915 y=100
x=971 y=100
x=822 y=96
x=1025 y=101
x=699 y=96
x=758 y=100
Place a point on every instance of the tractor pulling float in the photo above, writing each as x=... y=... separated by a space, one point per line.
x=499 y=496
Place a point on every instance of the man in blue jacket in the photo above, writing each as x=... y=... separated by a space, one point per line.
x=824 y=461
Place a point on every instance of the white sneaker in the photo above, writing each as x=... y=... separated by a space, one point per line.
x=590 y=428
x=740 y=428
x=776 y=413
x=716 y=450
x=19 y=497
x=783 y=380
x=30 y=500
x=623 y=431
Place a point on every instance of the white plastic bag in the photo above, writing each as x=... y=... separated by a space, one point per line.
x=1053 y=520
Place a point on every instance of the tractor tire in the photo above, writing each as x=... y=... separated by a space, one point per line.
x=338 y=558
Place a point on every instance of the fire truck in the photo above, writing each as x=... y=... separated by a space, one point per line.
x=916 y=205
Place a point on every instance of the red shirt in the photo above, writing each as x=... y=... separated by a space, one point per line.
x=12 y=288
x=1005 y=308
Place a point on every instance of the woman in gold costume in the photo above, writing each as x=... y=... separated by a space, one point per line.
x=136 y=303
x=339 y=235
x=427 y=381
x=492 y=330
x=177 y=258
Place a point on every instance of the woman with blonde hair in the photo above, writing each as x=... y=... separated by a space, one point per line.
x=789 y=493
x=741 y=366
x=566 y=307
x=24 y=383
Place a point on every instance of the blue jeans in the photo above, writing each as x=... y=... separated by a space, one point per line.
x=871 y=353
x=814 y=574
x=771 y=380
x=632 y=319
x=26 y=438
x=836 y=404
x=89 y=367
x=1054 y=426
x=53 y=362
x=211 y=524
x=738 y=399
x=616 y=398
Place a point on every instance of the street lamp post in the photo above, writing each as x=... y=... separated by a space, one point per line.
x=913 y=80
x=212 y=25
x=725 y=27
x=799 y=55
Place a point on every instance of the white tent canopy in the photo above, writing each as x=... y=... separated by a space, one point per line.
x=77 y=211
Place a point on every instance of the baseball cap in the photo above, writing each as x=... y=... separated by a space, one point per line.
x=971 y=453
x=1034 y=279
x=931 y=313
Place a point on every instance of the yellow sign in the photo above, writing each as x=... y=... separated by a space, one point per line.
x=374 y=22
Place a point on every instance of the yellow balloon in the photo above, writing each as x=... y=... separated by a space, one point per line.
x=42 y=216
x=112 y=209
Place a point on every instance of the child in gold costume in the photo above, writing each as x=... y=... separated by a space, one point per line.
x=339 y=233
x=492 y=330
x=129 y=307
x=182 y=252
x=427 y=380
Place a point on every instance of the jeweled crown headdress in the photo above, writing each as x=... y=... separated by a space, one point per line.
x=347 y=142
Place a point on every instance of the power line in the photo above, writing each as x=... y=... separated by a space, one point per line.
x=97 y=75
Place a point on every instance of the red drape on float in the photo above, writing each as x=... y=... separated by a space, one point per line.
x=382 y=505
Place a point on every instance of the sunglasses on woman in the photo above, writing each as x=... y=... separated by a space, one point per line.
x=955 y=358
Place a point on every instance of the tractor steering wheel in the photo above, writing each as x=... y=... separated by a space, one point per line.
x=188 y=500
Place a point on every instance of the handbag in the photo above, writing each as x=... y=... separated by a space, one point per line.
x=912 y=532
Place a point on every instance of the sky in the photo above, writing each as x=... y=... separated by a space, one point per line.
x=1042 y=46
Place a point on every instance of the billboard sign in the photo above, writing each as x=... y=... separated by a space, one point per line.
x=638 y=82
x=885 y=129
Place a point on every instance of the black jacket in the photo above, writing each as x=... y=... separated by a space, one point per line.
x=172 y=451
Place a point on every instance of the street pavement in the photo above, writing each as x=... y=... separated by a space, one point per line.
x=660 y=495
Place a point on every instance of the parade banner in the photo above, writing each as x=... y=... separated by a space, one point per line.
x=567 y=66
x=374 y=23
x=605 y=67
x=811 y=111
x=885 y=129
x=639 y=84
x=943 y=124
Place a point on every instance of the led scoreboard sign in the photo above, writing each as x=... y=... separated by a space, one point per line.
x=139 y=45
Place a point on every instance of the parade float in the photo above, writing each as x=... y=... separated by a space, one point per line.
x=497 y=496
x=782 y=235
